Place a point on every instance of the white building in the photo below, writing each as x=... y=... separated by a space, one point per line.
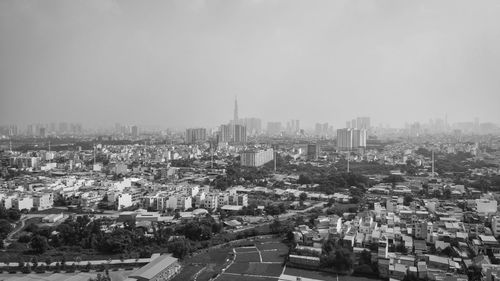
x=211 y=201
x=123 y=200
x=495 y=225
x=486 y=206
x=179 y=202
x=223 y=199
x=22 y=203
x=43 y=201
x=238 y=199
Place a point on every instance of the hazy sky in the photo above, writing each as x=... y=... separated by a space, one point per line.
x=181 y=63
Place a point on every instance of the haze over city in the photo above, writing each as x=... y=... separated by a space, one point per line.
x=182 y=63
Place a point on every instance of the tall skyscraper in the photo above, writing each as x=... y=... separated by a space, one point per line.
x=363 y=123
x=312 y=151
x=196 y=135
x=349 y=138
x=224 y=133
x=254 y=126
x=235 y=118
x=135 y=131
x=273 y=128
x=42 y=132
x=240 y=134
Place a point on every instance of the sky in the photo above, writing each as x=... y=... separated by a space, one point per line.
x=181 y=63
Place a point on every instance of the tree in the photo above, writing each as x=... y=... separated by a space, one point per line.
x=13 y=215
x=407 y=200
x=303 y=196
x=39 y=244
x=304 y=179
x=365 y=257
x=5 y=228
x=48 y=261
x=179 y=248
x=275 y=226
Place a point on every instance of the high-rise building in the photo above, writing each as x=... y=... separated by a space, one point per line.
x=135 y=131
x=359 y=138
x=42 y=132
x=363 y=123
x=256 y=158
x=224 y=133
x=235 y=117
x=344 y=139
x=29 y=130
x=240 y=134
x=254 y=126
x=349 y=138
x=312 y=151
x=13 y=130
x=321 y=129
x=63 y=127
x=196 y=135
x=273 y=128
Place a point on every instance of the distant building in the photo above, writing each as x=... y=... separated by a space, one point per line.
x=495 y=225
x=486 y=206
x=363 y=123
x=43 y=201
x=123 y=200
x=273 y=128
x=240 y=134
x=349 y=139
x=22 y=203
x=253 y=125
x=224 y=133
x=256 y=158
x=43 y=132
x=135 y=131
x=196 y=135
x=312 y=151
x=236 y=199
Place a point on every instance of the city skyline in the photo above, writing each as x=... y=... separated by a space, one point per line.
x=180 y=64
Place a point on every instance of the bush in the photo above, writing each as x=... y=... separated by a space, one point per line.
x=25 y=238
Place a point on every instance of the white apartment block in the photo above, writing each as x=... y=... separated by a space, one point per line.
x=22 y=203
x=7 y=201
x=238 y=200
x=211 y=201
x=123 y=200
x=199 y=199
x=43 y=201
x=495 y=225
x=179 y=202
x=486 y=206
x=223 y=199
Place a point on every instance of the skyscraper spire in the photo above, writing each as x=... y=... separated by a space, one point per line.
x=235 y=111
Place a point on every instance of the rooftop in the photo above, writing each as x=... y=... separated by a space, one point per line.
x=154 y=267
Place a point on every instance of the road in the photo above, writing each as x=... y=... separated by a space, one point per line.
x=20 y=225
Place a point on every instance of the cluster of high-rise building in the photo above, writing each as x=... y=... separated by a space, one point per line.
x=196 y=135
x=323 y=130
x=359 y=123
x=274 y=128
x=42 y=130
